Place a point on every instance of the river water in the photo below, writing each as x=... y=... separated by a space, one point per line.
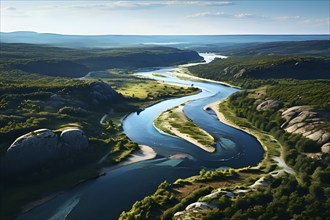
x=107 y=196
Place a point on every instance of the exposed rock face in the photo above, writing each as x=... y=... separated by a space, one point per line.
x=307 y=122
x=102 y=93
x=41 y=146
x=188 y=213
x=31 y=149
x=73 y=140
x=325 y=148
x=268 y=104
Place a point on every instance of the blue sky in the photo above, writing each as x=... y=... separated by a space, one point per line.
x=167 y=17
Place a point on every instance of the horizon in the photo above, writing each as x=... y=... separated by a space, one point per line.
x=159 y=18
x=252 y=34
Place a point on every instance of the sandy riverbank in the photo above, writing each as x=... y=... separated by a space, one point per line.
x=144 y=153
x=182 y=72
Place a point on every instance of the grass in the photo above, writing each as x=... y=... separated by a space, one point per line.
x=174 y=122
x=151 y=90
x=158 y=75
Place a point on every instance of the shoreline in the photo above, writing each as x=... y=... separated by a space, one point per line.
x=184 y=136
x=182 y=72
x=221 y=117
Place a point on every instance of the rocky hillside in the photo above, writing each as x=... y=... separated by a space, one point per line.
x=308 y=122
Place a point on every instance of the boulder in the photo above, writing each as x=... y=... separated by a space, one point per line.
x=73 y=140
x=32 y=149
x=41 y=146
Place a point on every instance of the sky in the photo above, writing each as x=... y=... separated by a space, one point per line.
x=176 y=17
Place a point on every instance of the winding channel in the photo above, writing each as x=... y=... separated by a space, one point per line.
x=107 y=196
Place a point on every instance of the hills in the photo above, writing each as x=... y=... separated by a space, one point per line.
x=303 y=47
x=264 y=67
x=66 y=62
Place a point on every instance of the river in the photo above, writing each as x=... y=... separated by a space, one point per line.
x=107 y=196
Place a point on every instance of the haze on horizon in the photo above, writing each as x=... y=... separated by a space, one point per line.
x=135 y=17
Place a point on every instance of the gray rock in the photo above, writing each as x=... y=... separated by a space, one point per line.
x=268 y=104
x=29 y=150
x=73 y=140
x=308 y=122
x=325 y=148
x=41 y=146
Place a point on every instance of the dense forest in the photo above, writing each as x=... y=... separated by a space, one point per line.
x=239 y=69
x=302 y=48
x=67 y=62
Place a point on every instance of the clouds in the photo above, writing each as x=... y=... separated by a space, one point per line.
x=165 y=16
x=325 y=21
x=225 y=15
x=10 y=9
x=248 y=16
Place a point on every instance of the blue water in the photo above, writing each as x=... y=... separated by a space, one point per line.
x=108 y=196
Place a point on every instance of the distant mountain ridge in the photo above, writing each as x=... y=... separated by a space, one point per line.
x=131 y=40
x=309 y=47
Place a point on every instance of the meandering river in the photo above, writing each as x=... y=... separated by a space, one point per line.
x=107 y=196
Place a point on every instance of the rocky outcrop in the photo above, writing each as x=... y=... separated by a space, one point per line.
x=73 y=140
x=267 y=105
x=325 y=148
x=102 y=93
x=191 y=209
x=41 y=146
x=308 y=122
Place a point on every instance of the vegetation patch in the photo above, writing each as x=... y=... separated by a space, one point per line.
x=174 y=122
